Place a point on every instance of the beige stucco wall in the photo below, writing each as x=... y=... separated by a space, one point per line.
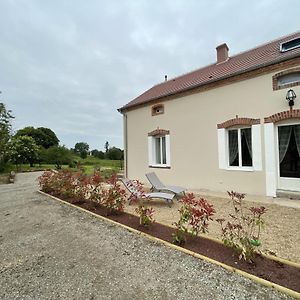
x=192 y=121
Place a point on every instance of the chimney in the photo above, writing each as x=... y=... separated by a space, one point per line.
x=166 y=77
x=222 y=53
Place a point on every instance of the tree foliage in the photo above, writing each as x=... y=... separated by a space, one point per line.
x=5 y=133
x=82 y=149
x=23 y=149
x=58 y=155
x=44 y=137
x=115 y=154
x=98 y=154
x=106 y=146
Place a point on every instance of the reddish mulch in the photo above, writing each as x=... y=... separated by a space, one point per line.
x=276 y=272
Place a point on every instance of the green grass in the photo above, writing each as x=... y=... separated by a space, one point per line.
x=93 y=161
x=89 y=164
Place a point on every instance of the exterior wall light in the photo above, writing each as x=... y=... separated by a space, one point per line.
x=290 y=97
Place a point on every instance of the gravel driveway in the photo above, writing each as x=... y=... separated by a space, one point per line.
x=53 y=251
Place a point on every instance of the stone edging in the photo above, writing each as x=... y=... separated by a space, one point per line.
x=261 y=281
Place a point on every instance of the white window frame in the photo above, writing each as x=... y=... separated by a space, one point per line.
x=223 y=149
x=152 y=151
x=240 y=166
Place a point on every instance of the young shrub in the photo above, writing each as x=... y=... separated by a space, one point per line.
x=47 y=181
x=96 y=186
x=145 y=213
x=113 y=197
x=242 y=232
x=194 y=217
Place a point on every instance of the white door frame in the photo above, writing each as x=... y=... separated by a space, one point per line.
x=285 y=183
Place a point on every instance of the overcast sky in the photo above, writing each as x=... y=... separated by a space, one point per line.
x=68 y=65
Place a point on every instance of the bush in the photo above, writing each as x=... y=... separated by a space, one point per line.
x=145 y=213
x=58 y=155
x=194 y=217
x=242 y=233
x=77 y=187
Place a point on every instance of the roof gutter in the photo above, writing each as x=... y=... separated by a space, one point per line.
x=124 y=108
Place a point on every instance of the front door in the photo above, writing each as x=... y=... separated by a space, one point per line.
x=289 y=157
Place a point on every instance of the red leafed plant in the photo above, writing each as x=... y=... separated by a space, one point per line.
x=77 y=186
x=195 y=214
x=145 y=213
x=113 y=196
x=242 y=232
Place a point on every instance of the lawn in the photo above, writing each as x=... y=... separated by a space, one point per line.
x=89 y=164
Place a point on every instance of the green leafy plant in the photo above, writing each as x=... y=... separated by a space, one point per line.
x=242 y=232
x=23 y=149
x=195 y=214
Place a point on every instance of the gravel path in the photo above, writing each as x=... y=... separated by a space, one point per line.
x=52 y=251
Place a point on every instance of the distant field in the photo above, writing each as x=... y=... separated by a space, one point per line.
x=89 y=165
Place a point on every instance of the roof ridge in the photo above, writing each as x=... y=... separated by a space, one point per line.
x=261 y=55
x=230 y=57
x=267 y=43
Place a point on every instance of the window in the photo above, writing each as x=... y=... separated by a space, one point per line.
x=239 y=144
x=286 y=79
x=290 y=45
x=159 y=150
x=157 y=109
x=240 y=147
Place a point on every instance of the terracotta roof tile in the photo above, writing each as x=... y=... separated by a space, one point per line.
x=263 y=55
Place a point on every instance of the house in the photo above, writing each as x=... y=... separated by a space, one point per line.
x=232 y=125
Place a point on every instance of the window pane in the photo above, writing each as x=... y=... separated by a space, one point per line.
x=233 y=147
x=289 y=78
x=246 y=146
x=157 y=151
x=290 y=162
x=164 y=152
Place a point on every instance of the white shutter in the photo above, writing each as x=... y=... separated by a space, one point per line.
x=168 y=150
x=256 y=147
x=150 y=150
x=222 y=148
x=270 y=160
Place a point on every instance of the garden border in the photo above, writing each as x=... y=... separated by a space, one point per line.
x=261 y=281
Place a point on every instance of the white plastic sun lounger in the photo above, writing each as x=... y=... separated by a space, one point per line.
x=157 y=185
x=134 y=192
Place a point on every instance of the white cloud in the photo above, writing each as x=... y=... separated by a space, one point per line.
x=69 y=65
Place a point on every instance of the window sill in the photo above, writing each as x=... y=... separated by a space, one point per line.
x=160 y=166
x=244 y=169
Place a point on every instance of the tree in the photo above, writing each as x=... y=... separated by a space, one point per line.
x=115 y=154
x=98 y=154
x=82 y=149
x=44 y=137
x=58 y=155
x=5 y=133
x=23 y=149
x=106 y=146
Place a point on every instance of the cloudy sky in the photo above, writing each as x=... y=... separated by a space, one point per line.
x=69 y=64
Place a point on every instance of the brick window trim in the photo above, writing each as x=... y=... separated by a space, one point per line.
x=238 y=121
x=284 y=115
x=276 y=76
x=155 y=107
x=159 y=132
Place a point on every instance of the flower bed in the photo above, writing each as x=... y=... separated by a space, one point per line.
x=277 y=272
